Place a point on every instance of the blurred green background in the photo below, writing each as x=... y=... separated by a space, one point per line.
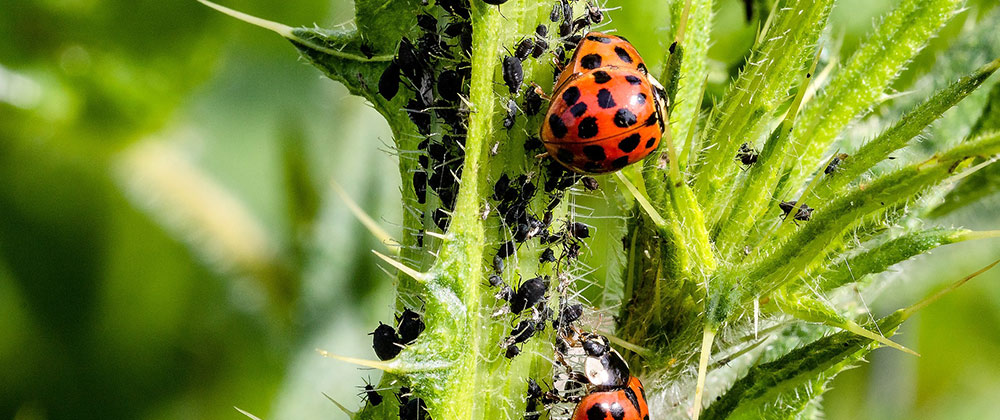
x=171 y=246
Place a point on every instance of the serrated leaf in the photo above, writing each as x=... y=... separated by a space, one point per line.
x=759 y=91
x=864 y=78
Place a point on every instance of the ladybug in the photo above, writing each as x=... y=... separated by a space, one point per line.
x=614 y=394
x=607 y=111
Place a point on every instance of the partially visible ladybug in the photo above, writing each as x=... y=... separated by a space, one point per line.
x=614 y=393
x=607 y=112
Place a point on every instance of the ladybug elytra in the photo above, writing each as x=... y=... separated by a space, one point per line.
x=607 y=111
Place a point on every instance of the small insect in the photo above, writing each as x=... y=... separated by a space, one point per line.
x=512 y=351
x=747 y=155
x=413 y=409
x=371 y=395
x=556 y=13
x=384 y=342
x=450 y=84
x=427 y=22
x=594 y=13
x=524 y=48
x=835 y=163
x=528 y=294
x=459 y=8
x=494 y=2
x=547 y=256
x=513 y=73
x=606 y=112
x=532 y=101
x=567 y=315
x=578 y=230
x=367 y=49
x=590 y=183
x=420 y=186
x=410 y=326
x=388 y=83
x=511 y=117
x=804 y=213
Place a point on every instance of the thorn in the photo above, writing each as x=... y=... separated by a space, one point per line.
x=365 y=219
x=416 y=275
x=706 y=351
x=341 y=407
x=245 y=413
x=854 y=328
x=280 y=29
x=436 y=235
x=643 y=201
x=383 y=366
x=931 y=299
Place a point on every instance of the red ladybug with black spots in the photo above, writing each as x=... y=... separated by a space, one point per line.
x=607 y=112
x=615 y=393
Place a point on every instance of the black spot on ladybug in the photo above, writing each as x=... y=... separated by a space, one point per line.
x=594 y=152
x=629 y=143
x=595 y=412
x=597 y=38
x=652 y=120
x=601 y=77
x=634 y=80
x=579 y=109
x=590 y=61
x=620 y=162
x=557 y=126
x=605 y=100
x=639 y=99
x=617 y=411
x=571 y=95
x=650 y=143
x=632 y=398
x=624 y=55
x=587 y=128
x=624 y=118
x=565 y=156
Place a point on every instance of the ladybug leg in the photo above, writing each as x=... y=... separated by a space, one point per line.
x=541 y=92
x=542 y=155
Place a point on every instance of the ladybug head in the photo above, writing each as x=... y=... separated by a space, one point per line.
x=660 y=98
x=596 y=345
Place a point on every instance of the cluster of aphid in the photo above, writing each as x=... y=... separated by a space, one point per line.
x=606 y=113
x=436 y=69
x=748 y=156
x=388 y=341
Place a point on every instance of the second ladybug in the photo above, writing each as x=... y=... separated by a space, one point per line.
x=615 y=394
x=607 y=112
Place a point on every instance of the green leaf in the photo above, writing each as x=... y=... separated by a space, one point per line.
x=864 y=78
x=814 y=240
x=783 y=49
x=901 y=133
